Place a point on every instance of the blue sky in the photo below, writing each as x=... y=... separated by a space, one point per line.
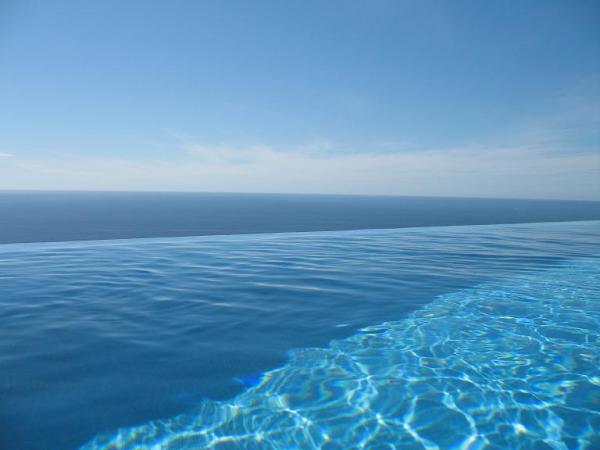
x=466 y=98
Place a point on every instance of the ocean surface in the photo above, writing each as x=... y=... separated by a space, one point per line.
x=466 y=337
x=70 y=216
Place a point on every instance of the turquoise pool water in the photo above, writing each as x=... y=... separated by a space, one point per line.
x=499 y=366
x=432 y=338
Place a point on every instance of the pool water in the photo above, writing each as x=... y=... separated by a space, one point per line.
x=456 y=337
x=501 y=365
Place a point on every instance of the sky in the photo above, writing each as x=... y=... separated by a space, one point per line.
x=451 y=98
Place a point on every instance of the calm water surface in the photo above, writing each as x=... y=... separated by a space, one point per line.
x=302 y=340
x=70 y=216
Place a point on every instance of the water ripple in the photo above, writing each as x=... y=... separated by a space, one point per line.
x=500 y=366
x=100 y=335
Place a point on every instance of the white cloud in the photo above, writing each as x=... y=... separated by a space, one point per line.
x=496 y=172
x=553 y=155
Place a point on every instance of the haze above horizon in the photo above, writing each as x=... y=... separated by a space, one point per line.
x=424 y=98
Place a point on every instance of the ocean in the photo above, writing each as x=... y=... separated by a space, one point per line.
x=70 y=216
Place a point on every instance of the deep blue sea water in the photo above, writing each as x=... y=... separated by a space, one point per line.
x=69 y=216
x=455 y=337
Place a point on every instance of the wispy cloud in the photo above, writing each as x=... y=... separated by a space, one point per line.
x=550 y=156
x=512 y=172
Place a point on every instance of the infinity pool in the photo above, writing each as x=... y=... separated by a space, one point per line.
x=458 y=337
